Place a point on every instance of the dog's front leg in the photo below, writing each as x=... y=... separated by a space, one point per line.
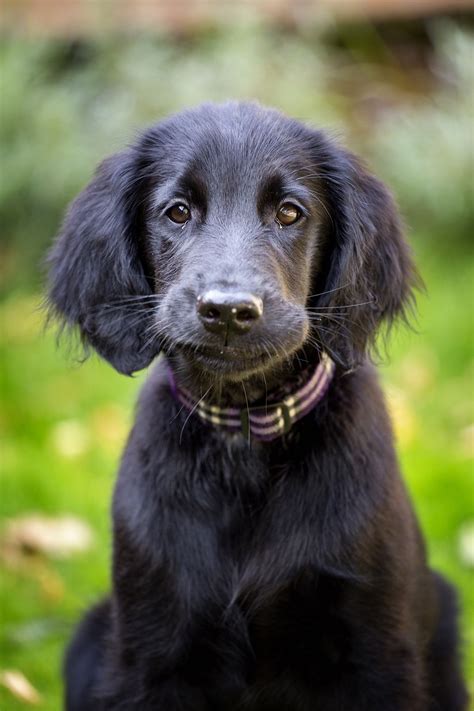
x=154 y=622
x=172 y=695
x=375 y=689
x=321 y=659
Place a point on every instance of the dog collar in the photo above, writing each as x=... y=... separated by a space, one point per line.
x=262 y=422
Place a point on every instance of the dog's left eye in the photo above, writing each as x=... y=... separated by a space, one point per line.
x=288 y=214
x=179 y=213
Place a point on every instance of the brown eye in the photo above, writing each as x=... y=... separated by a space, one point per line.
x=179 y=213
x=288 y=214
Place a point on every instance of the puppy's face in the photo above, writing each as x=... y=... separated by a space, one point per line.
x=231 y=237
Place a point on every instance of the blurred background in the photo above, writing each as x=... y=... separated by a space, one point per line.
x=394 y=80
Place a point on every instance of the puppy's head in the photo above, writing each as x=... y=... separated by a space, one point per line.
x=231 y=236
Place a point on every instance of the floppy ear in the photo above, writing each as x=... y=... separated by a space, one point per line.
x=96 y=274
x=370 y=275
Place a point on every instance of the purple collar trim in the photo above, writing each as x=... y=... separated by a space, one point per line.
x=262 y=422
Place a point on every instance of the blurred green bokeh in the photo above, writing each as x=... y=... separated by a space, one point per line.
x=66 y=105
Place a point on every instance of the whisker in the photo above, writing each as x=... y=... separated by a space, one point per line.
x=135 y=297
x=340 y=306
x=337 y=319
x=330 y=316
x=266 y=388
x=323 y=347
x=192 y=411
x=329 y=291
x=248 y=413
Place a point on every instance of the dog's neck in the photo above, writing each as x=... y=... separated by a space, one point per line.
x=254 y=389
x=271 y=418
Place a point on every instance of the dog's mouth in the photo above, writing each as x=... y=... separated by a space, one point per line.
x=226 y=359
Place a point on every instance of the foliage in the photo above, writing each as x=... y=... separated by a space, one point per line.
x=66 y=105
x=426 y=150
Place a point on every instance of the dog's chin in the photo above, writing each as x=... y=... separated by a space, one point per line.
x=228 y=363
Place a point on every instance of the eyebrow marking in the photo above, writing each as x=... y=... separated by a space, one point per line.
x=275 y=187
x=187 y=187
x=269 y=191
x=190 y=183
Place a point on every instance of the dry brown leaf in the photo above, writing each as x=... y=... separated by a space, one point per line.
x=57 y=537
x=19 y=686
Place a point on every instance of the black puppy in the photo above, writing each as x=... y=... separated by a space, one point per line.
x=266 y=556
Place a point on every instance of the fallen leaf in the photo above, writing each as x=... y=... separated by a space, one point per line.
x=56 y=537
x=19 y=686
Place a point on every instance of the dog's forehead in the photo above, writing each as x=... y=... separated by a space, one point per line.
x=241 y=144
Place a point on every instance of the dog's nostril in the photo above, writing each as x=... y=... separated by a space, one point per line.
x=212 y=313
x=244 y=314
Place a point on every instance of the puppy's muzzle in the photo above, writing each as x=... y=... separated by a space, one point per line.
x=229 y=311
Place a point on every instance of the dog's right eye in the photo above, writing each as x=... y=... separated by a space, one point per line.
x=179 y=213
x=288 y=214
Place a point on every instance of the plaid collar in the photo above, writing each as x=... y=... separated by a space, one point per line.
x=262 y=422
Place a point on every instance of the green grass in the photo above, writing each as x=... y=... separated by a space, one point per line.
x=50 y=399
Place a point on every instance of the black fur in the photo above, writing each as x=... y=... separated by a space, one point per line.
x=288 y=576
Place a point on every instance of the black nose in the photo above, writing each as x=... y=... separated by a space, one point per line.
x=225 y=311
